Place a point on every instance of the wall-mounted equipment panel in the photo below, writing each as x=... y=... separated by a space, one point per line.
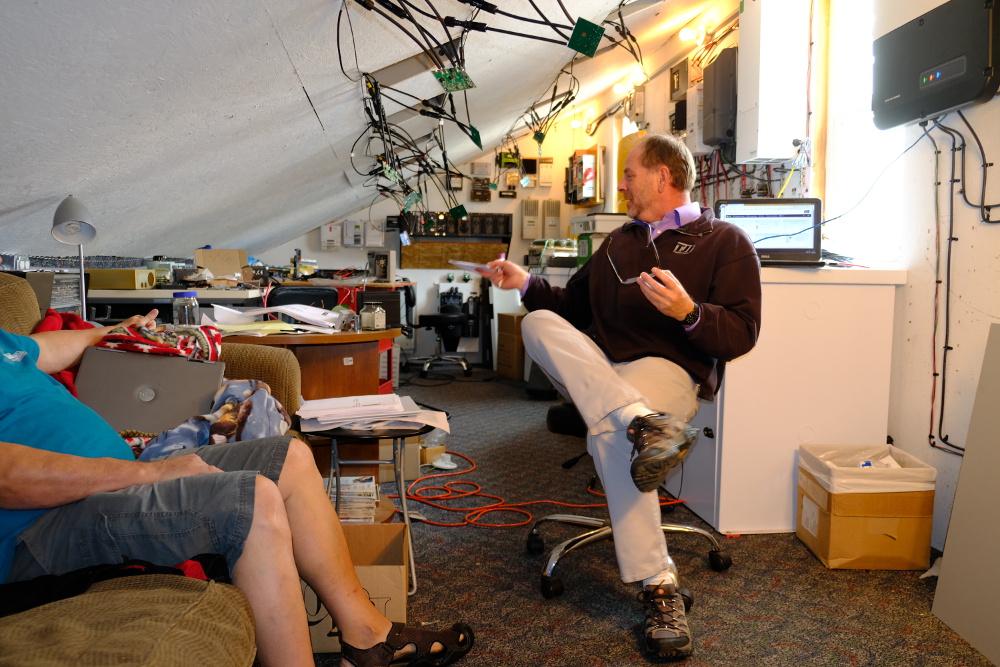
x=695 y=119
x=938 y=62
x=719 y=100
x=773 y=74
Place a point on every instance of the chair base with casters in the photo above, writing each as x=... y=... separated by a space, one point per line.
x=445 y=324
x=565 y=420
x=551 y=586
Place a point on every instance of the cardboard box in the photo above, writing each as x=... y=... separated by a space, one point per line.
x=380 y=558
x=510 y=357
x=865 y=518
x=224 y=262
x=510 y=347
x=411 y=460
x=121 y=279
x=429 y=453
x=509 y=323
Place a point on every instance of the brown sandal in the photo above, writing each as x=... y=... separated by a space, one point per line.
x=456 y=643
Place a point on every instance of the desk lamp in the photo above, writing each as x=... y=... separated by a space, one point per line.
x=70 y=226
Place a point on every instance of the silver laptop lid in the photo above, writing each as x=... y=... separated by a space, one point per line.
x=146 y=392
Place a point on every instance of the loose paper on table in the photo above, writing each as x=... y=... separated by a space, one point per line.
x=329 y=413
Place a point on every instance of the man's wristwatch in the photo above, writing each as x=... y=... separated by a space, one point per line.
x=692 y=317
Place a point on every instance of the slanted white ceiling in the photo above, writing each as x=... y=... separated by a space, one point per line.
x=225 y=123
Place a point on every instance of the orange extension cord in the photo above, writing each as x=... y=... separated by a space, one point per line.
x=474 y=515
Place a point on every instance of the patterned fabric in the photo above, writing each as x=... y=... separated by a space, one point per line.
x=241 y=410
x=200 y=343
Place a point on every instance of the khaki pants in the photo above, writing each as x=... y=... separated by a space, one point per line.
x=583 y=374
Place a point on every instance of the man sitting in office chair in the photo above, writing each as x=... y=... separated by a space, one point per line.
x=636 y=337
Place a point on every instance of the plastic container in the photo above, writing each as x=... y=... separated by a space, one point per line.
x=186 y=311
x=372 y=317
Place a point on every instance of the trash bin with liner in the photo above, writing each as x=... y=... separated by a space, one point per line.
x=865 y=507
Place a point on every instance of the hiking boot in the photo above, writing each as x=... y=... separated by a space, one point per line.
x=660 y=442
x=667 y=634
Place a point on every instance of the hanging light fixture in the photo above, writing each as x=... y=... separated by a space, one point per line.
x=70 y=226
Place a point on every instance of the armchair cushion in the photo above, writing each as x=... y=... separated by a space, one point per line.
x=151 y=619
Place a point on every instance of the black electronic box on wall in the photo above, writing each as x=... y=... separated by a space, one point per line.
x=938 y=62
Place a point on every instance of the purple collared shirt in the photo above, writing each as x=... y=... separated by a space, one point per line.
x=674 y=219
x=679 y=217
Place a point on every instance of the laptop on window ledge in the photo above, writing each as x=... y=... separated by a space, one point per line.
x=785 y=232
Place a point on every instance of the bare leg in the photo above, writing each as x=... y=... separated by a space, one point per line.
x=321 y=552
x=266 y=574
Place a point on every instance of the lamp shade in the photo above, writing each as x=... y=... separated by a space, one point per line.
x=69 y=225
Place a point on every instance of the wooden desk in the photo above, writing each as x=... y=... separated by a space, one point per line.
x=335 y=365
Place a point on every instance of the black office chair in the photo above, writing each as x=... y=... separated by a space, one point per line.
x=447 y=324
x=565 y=419
x=283 y=295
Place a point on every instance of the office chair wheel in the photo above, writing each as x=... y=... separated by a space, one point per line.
x=551 y=587
x=422 y=373
x=688 y=598
x=719 y=560
x=467 y=372
x=536 y=544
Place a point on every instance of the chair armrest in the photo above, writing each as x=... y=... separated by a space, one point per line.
x=19 y=309
x=276 y=366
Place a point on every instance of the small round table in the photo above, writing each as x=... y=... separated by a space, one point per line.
x=398 y=435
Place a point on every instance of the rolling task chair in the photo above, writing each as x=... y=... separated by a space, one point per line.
x=565 y=420
x=447 y=324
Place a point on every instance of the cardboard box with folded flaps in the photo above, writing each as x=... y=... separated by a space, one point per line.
x=224 y=265
x=865 y=518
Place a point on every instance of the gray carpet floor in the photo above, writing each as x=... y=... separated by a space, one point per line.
x=777 y=604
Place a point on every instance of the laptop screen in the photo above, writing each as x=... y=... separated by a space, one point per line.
x=784 y=231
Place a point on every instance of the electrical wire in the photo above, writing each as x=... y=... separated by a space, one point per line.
x=550 y=23
x=544 y=22
x=867 y=192
x=984 y=209
x=430 y=53
x=937 y=296
x=785 y=184
x=628 y=40
x=435 y=496
x=946 y=346
x=540 y=125
x=340 y=59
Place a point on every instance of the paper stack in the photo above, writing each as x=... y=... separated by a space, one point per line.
x=233 y=322
x=327 y=320
x=358 y=499
x=367 y=413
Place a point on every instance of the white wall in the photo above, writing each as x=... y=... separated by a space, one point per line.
x=901 y=221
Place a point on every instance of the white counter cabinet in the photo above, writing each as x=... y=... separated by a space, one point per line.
x=819 y=374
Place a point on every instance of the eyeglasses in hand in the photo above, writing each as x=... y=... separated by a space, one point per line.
x=611 y=262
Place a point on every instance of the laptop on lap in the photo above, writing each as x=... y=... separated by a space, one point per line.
x=785 y=232
x=146 y=392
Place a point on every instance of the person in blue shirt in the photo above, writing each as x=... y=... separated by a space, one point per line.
x=72 y=496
